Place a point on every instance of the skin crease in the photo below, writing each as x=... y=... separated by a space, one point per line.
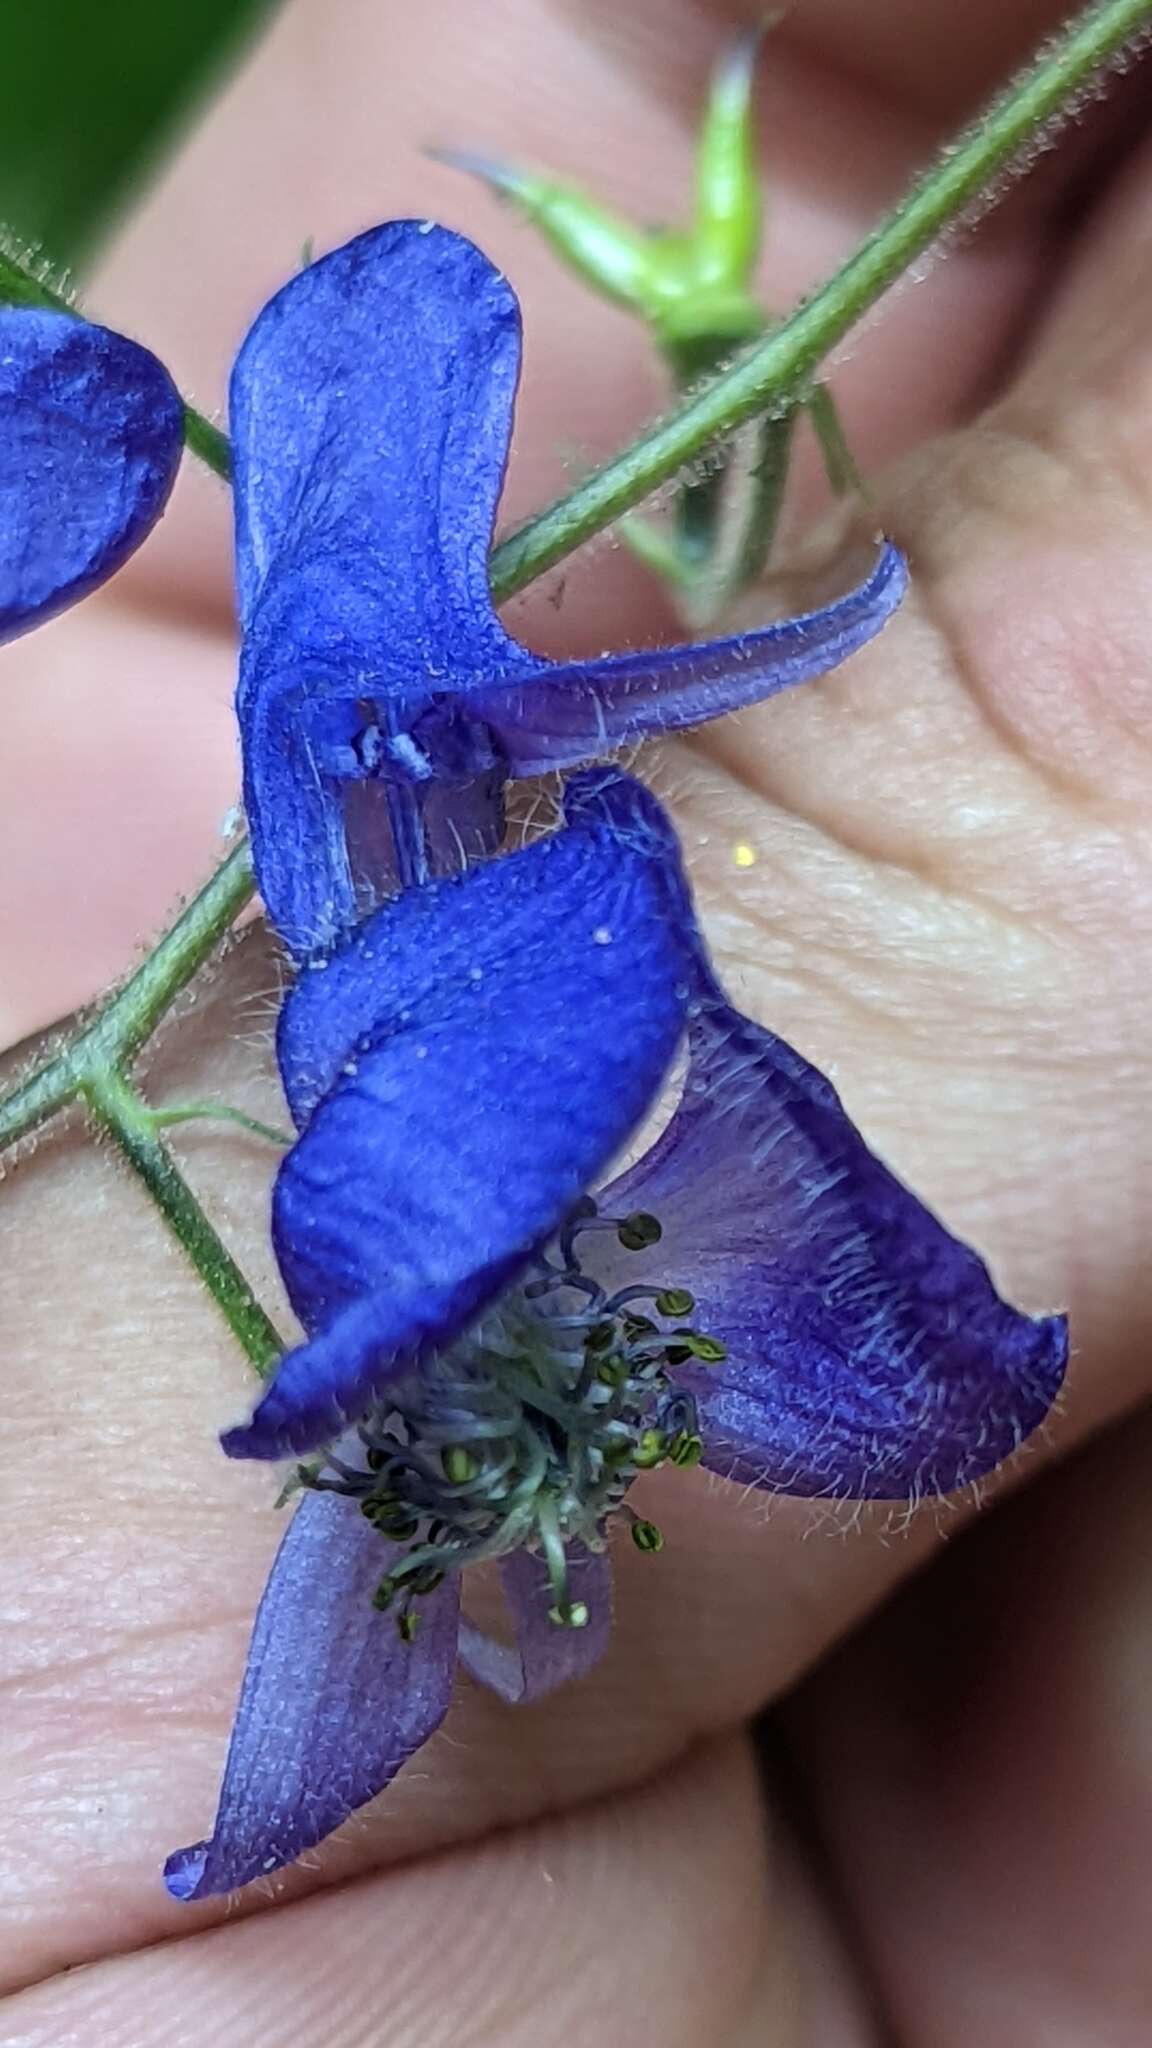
x=950 y=908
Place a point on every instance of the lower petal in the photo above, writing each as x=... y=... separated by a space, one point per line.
x=333 y=1704
x=869 y=1354
x=545 y=1655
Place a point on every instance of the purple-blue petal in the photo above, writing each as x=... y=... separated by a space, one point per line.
x=91 y=433
x=333 y=1702
x=382 y=705
x=869 y=1354
x=464 y=1066
x=543 y=1656
x=562 y=716
x=371 y=406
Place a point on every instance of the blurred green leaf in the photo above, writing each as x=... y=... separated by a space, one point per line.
x=89 y=91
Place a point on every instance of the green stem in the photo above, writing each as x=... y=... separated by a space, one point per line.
x=21 y=286
x=218 y=1113
x=131 y=1125
x=759 y=515
x=770 y=376
x=839 y=462
x=776 y=369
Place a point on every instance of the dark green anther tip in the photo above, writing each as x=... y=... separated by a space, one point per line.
x=601 y=1336
x=693 y=1344
x=647 y=1537
x=459 y=1464
x=650 y=1448
x=384 y=1595
x=686 y=1449
x=636 y=1327
x=426 y=1579
x=408 y=1626
x=637 y=1232
x=573 y=1614
x=675 y=1301
x=390 y=1517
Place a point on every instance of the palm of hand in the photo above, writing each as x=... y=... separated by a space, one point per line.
x=948 y=908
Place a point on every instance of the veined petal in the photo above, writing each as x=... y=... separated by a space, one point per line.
x=91 y=433
x=371 y=406
x=381 y=703
x=333 y=1703
x=562 y=716
x=466 y=1065
x=544 y=1656
x=869 y=1354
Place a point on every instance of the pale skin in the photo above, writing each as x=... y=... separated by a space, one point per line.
x=950 y=907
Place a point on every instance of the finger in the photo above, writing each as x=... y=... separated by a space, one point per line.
x=982 y=1764
x=683 y=1905
x=135 y=1555
x=226 y=225
x=661 y=1902
x=120 y=766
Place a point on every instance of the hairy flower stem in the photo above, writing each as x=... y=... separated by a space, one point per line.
x=117 y=1109
x=767 y=378
x=775 y=370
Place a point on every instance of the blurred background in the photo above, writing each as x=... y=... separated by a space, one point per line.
x=90 y=91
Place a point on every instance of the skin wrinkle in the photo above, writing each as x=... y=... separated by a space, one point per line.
x=771 y=1573
x=984 y=489
x=163 y=316
x=903 y=867
x=716 y=1780
x=745 y=963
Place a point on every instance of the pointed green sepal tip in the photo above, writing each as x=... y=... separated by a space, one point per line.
x=612 y=256
x=729 y=211
x=686 y=283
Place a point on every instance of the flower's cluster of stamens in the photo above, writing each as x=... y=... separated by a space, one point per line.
x=530 y=1430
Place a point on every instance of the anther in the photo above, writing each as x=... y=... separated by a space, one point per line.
x=574 y=1614
x=459 y=1464
x=695 y=1345
x=638 y=1231
x=685 y=1449
x=649 y=1449
x=675 y=1301
x=612 y=1372
x=600 y=1337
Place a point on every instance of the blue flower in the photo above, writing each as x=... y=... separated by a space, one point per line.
x=382 y=705
x=91 y=433
x=492 y=1355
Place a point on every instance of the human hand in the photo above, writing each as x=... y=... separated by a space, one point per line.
x=946 y=909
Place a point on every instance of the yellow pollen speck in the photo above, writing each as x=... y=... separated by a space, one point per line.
x=743 y=854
